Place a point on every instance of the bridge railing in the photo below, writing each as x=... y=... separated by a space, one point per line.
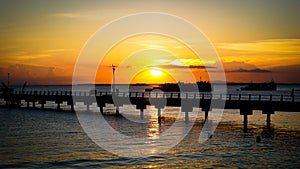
x=179 y=95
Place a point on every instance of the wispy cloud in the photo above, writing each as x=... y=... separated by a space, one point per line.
x=74 y=15
x=287 y=46
x=103 y=14
x=23 y=55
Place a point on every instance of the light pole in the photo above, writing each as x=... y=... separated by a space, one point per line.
x=113 y=85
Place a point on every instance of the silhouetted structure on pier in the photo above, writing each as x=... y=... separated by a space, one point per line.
x=268 y=104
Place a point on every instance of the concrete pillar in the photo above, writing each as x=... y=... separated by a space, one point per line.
x=206 y=115
x=142 y=114
x=245 y=123
x=117 y=111
x=101 y=109
x=141 y=106
x=268 y=112
x=159 y=115
x=71 y=103
x=245 y=112
x=186 y=117
x=72 y=107
x=269 y=121
x=42 y=103
x=33 y=104
x=58 y=106
x=87 y=107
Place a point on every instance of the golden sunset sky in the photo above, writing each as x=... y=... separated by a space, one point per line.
x=256 y=40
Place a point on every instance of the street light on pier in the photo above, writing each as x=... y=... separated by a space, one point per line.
x=113 y=85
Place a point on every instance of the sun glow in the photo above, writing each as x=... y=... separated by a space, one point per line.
x=156 y=72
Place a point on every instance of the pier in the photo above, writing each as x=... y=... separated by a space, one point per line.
x=268 y=104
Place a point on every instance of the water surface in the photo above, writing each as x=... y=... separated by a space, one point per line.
x=54 y=139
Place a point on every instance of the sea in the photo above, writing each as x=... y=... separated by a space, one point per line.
x=35 y=138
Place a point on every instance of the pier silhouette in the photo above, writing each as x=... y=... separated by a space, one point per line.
x=246 y=103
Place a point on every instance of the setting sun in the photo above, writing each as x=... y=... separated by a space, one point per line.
x=156 y=72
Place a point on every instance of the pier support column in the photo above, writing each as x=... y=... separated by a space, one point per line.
x=142 y=114
x=245 y=112
x=245 y=123
x=27 y=104
x=269 y=121
x=58 y=106
x=117 y=111
x=33 y=104
x=141 y=107
x=159 y=115
x=72 y=108
x=100 y=104
x=186 y=107
x=87 y=107
x=101 y=109
x=268 y=112
x=206 y=110
x=58 y=102
x=206 y=115
x=71 y=103
x=186 y=117
x=42 y=103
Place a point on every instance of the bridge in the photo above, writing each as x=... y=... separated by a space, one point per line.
x=246 y=103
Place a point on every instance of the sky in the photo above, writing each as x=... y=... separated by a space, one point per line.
x=40 y=41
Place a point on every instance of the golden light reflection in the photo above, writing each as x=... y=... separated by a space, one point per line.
x=154 y=128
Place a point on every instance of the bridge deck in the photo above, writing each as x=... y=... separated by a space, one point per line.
x=206 y=101
x=141 y=99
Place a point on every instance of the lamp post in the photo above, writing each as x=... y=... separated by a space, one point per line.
x=113 y=85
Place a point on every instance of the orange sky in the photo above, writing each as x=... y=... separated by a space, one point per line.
x=256 y=41
x=137 y=56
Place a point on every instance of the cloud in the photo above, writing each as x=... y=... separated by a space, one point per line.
x=74 y=15
x=242 y=67
x=238 y=65
x=281 y=74
x=28 y=55
x=270 y=46
x=103 y=14
x=170 y=66
x=19 y=73
x=257 y=70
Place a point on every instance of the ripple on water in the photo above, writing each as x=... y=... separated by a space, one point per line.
x=46 y=139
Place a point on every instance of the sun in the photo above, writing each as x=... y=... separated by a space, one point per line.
x=155 y=72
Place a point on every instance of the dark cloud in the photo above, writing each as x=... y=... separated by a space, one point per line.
x=21 y=73
x=184 y=67
x=257 y=70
